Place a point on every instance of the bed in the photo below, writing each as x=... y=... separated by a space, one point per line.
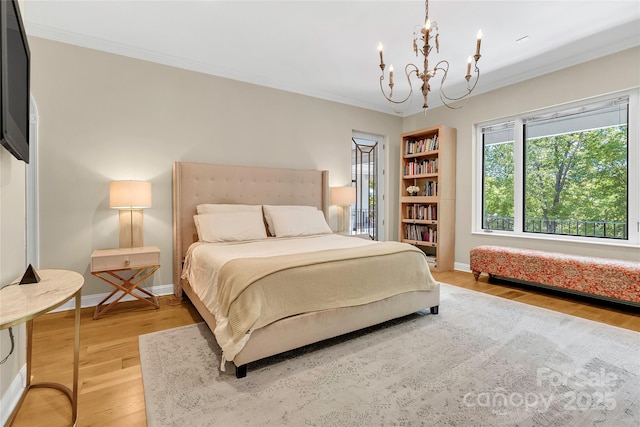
x=199 y=184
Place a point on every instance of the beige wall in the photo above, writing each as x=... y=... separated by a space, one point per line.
x=609 y=74
x=104 y=117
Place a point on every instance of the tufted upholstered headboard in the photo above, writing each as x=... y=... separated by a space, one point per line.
x=197 y=183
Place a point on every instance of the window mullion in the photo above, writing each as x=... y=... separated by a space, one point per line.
x=518 y=187
x=633 y=169
x=478 y=173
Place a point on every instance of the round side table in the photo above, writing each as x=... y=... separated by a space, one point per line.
x=23 y=303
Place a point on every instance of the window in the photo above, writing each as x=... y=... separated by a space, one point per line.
x=576 y=172
x=498 y=144
x=563 y=173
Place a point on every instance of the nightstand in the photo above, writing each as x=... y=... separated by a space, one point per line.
x=125 y=269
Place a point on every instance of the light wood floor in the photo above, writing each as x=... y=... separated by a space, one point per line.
x=111 y=391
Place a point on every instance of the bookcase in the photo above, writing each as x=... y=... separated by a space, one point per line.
x=427 y=220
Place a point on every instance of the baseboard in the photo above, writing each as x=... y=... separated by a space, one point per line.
x=462 y=267
x=12 y=396
x=93 y=300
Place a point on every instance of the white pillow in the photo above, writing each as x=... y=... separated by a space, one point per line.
x=292 y=223
x=215 y=207
x=230 y=226
x=270 y=210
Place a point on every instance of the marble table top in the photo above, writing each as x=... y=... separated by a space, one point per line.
x=20 y=303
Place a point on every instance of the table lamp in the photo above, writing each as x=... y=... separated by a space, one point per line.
x=130 y=197
x=343 y=197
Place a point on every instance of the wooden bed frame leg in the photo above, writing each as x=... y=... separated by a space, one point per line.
x=476 y=275
x=241 y=371
x=434 y=309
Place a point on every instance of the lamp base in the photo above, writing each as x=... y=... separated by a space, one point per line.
x=344 y=220
x=131 y=231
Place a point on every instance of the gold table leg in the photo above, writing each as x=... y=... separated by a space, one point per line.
x=126 y=286
x=71 y=395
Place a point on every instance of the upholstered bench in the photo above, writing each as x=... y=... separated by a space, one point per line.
x=600 y=277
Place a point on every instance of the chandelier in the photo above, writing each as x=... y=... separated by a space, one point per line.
x=442 y=67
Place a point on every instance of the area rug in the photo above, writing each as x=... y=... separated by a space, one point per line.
x=483 y=361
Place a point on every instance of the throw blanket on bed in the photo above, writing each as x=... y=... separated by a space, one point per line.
x=254 y=292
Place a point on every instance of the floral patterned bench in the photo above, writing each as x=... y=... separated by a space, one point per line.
x=601 y=277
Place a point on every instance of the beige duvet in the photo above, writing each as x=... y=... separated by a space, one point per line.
x=249 y=285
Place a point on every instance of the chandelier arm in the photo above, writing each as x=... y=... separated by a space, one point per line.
x=438 y=66
x=477 y=71
x=408 y=74
x=444 y=67
x=469 y=89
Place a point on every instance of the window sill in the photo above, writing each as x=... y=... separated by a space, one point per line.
x=563 y=239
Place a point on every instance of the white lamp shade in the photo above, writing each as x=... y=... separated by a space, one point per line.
x=343 y=196
x=129 y=194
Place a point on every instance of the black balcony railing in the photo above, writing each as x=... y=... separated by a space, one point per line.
x=566 y=227
x=364 y=221
x=498 y=223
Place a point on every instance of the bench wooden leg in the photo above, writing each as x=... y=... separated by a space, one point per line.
x=476 y=275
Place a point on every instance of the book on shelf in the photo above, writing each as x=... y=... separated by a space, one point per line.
x=430 y=235
x=422 y=167
x=420 y=233
x=422 y=145
x=422 y=212
x=430 y=188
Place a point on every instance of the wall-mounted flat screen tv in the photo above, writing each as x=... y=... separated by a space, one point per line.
x=15 y=62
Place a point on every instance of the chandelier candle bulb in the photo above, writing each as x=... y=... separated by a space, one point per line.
x=479 y=36
x=391 y=74
x=380 y=50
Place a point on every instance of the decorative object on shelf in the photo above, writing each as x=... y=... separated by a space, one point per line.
x=130 y=197
x=426 y=74
x=343 y=197
x=30 y=276
x=413 y=190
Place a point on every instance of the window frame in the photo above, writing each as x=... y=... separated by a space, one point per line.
x=506 y=125
x=633 y=175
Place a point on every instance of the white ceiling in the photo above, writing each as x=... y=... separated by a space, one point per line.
x=328 y=49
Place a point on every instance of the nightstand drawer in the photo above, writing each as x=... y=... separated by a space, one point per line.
x=113 y=259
